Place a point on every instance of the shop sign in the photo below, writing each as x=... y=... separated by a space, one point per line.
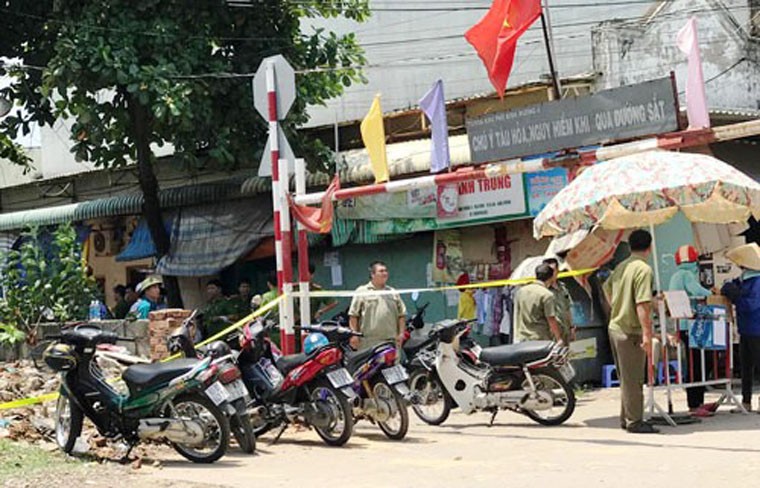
x=543 y=186
x=620 y=113
x=488 y=200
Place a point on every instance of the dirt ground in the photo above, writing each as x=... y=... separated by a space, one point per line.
x=589 y=450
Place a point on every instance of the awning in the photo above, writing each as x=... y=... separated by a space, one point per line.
x=207 y=239
x=127 y=204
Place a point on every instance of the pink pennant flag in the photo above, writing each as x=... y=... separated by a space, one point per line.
x=696 y=101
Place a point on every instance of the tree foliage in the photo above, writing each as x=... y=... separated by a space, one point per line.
x=43 y=283
x=177 y=59
x=136 y=74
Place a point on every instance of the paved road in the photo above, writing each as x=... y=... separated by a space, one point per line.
x=588 y=451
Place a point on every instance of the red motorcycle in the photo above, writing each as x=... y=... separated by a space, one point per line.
x=312 y=389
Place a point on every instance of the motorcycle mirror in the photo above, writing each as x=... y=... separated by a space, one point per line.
x=415 y=296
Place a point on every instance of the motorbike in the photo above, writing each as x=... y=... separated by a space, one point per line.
x=182 y=341
x=113 y=360
x=177 y=402
x=530 y=378
x=379 y=382
x=431 y=403
x=311 y=389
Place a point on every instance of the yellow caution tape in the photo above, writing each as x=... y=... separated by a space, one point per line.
x=403 y=291
x=25 y=402
x=237 y=325
x=325 y=293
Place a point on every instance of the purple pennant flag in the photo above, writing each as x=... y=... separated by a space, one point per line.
x=434 y=106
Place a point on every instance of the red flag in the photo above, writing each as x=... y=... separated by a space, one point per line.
x=318 y=220
x=495 y=36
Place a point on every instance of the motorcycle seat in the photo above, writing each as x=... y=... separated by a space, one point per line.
x=288 y=363
x=142 y=376
x=354 y=359
x=516 y=354
x=415 y=344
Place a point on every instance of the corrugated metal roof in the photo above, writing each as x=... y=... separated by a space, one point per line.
x=404 y=158
x=127 y=204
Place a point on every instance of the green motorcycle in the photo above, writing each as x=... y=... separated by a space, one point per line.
x=180 y=402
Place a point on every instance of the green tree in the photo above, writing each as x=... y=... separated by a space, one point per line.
x=43 y=285
x=133 y=74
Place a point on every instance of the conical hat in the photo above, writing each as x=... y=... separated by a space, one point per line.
x=746 y=256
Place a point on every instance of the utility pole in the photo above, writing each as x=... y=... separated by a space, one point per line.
x=549 y=42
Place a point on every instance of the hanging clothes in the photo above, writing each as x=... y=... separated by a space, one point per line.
x=508 y=306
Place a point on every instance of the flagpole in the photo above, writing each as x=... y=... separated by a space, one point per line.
x=549 y=42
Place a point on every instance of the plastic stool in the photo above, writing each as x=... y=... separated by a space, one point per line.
x=610 y=376
x=672 y=371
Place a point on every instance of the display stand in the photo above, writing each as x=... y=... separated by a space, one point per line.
x=680 y=308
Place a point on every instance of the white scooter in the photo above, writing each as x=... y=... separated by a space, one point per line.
x=531 y=378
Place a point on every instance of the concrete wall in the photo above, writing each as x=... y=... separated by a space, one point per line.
x=408 y=50
x=114 y=272
x=634 y=51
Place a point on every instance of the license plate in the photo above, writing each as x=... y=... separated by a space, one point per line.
x=236 y=390
x=217 y=393
x=567 y=371
x=340 y=378
x=396 y=374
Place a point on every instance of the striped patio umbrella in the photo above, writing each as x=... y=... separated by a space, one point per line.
x=647 y=189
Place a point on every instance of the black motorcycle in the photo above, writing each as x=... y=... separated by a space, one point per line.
x=177 y=401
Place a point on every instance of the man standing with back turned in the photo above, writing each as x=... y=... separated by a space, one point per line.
x=629 y=293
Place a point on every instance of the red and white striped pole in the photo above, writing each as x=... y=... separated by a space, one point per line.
x=287 y=337
x=280 y=247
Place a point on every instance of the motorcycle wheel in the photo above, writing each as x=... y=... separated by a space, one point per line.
x=563 y=397
x=240 y=425
x=215 y=426
x=437 y=402
x=342 y=426
x=397 y=425
x=68 y=423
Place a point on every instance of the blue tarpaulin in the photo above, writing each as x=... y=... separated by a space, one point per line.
x=141 y=243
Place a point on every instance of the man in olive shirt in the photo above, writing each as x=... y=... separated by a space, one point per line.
x=536 y=317
x=379 y=317
x=562 y=303
x=629 y=293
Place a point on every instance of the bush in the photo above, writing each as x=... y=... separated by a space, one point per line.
x=42 y=284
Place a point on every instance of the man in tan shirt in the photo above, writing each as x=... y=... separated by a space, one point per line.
x=380 y=317
x=536 y=316
x=629 y=293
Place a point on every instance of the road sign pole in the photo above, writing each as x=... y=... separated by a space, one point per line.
x=274 y=91
x=274 y=151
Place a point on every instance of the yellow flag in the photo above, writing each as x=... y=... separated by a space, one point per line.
x=373 y=135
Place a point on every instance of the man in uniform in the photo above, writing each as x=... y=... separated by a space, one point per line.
x=241 y=302
x=562 y=303
x=218 y=312
x=629 y=293
x=379 y=317
x=536 y=318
